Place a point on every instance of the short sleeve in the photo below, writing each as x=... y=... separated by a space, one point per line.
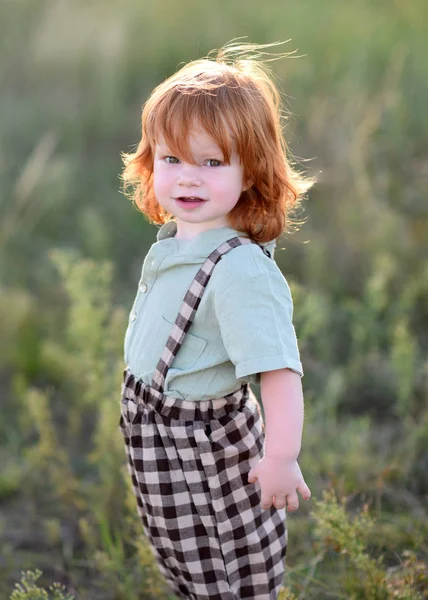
x=255 y=315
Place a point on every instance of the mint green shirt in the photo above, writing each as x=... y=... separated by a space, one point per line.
x=242 y=327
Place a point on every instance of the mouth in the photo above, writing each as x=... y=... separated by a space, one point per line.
x=190 y=199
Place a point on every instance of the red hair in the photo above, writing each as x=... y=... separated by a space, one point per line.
x=235 y=91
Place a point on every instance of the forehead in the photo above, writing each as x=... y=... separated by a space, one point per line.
x=197 y=140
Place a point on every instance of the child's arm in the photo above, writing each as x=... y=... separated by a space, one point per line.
x=282 y=398
x=278 y=472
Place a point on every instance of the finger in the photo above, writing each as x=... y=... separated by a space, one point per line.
x=304 y=491
x=292 y=501
x=279 y=502
x=251 y=477
x=266 y=502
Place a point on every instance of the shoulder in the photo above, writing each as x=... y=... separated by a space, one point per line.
x=244 y=265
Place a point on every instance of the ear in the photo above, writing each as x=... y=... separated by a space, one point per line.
x=247 y=184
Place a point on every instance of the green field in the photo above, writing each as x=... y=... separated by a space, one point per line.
x=73 y=77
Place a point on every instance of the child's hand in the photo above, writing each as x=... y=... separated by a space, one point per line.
x=280 y=480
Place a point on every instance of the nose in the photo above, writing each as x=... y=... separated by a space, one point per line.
x=188 y=176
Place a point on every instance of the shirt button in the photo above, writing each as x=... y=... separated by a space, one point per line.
x=143 y=287
x=133 y=316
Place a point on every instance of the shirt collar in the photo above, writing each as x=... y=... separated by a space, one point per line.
x=205 y=242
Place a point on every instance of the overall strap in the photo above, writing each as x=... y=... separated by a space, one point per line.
x=188 y=309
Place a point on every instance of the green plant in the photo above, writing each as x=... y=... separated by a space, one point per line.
x=28 y=590
x=360 y=575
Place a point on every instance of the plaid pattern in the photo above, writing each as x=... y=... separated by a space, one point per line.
x=189 y=464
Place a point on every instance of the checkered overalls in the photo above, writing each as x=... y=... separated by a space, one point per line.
x=189 y=462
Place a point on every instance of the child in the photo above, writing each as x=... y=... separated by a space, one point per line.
x=213 y=314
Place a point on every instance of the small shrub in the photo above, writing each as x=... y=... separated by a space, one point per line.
x=363 y=577
x=28 y=590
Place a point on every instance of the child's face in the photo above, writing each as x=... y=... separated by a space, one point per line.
x=218 y=185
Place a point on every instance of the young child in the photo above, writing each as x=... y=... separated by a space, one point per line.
x=213 y=313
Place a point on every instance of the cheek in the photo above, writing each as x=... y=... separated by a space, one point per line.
x=230 y=183
x=234 y=184
x=161 y=181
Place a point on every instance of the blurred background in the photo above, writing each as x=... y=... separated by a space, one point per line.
x=73 y=78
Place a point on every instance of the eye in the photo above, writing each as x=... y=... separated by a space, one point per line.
x=214 y=160
x=172 y=161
